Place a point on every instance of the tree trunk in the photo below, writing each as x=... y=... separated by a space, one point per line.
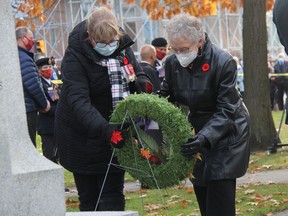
x=257 y=93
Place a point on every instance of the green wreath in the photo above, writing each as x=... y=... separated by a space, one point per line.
x=175 y=129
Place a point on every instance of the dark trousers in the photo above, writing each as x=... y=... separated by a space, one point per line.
x=282 y=87
x=217 y=198
x=89 y=186
x=49 y=147
x=32 y=122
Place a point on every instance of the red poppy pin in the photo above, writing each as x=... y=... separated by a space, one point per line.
x=205 y=67
x=125 y=60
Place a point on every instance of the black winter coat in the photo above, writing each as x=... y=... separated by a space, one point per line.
x=216 y=111
x=45 y=123
x=85 y=104
x=153 y=74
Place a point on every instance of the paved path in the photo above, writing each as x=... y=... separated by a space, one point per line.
x=277 y=176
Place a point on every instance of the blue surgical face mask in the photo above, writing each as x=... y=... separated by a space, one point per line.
x=107 y=50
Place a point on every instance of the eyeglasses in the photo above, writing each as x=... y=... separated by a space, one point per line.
x=104 y=44
x=184 y=50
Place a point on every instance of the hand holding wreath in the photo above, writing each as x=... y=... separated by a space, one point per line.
x=114 y=134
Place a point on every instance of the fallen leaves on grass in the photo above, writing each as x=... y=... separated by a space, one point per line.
x=249 y=191
x=153 y=207
x=189 y=190
x=261 y=168
x=71 y=203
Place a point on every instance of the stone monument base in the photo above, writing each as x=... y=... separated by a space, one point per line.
x=107 y=213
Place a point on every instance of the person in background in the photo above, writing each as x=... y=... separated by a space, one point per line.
x=160 y=45
x=45 y=124
x=280 y=17
x=99 y=69
x=56 y=75
x=272 y=80
x=281 y=81
x=34 y=96
x=240 y=76
x=202 y=77
x=148 y=58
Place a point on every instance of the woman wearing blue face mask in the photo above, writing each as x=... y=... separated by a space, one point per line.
x=98 y=70
x=203 y=77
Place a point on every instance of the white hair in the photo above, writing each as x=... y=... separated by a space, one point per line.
x=185 y=26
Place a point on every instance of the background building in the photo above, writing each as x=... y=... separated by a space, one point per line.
x=224 y=29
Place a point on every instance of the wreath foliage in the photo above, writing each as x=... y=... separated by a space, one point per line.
x=175 y=129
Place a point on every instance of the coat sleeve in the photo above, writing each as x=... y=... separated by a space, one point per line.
x=166 y=85
x=78 y=94
x=31 y=82
x=229 y=103
x=280 y=17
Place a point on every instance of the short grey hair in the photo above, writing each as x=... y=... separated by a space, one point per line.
x=20 y=31
x=185 y=26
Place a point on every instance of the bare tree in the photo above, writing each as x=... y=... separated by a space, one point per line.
x=257 y=93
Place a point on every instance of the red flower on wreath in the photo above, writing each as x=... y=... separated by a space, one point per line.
x=145 y=153
x=205 y=67
x=155 y=160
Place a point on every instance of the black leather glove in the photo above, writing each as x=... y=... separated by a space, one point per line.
x=143 y=84
x=197 y=143
x=114 y=134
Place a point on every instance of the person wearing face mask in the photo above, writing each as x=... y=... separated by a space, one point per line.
x=45 y=123
x=56 y=75
x=98 y=70
x=202 y=77
x=160 y=45
x=35 y=99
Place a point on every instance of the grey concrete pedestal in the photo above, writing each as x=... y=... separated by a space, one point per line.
x=119 y=213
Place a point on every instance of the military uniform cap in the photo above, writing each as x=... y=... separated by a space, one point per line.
x=159 y=42
x=43 y=61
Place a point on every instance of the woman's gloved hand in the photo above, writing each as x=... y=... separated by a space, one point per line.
x=197 y=143
x=114 y=134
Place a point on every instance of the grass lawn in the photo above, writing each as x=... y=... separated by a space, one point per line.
x=251 y=200
x=284 y=128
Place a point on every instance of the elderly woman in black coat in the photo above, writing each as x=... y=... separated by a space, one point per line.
x=98 y=70
x=203 y=77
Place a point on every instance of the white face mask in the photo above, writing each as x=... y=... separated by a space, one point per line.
x=186 y=58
